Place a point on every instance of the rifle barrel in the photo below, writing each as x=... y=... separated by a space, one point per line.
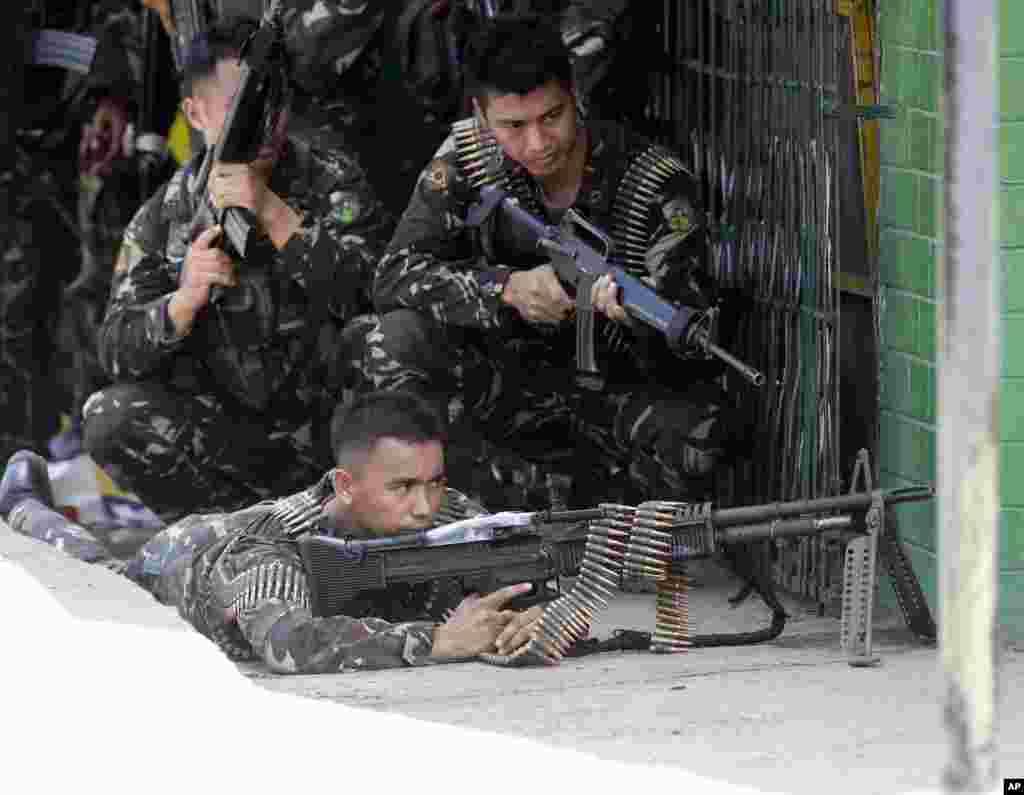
x=783 y=528
x=753 y=514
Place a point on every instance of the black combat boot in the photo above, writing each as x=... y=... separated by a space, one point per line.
x=26 y=477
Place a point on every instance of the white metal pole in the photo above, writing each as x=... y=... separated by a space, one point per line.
x=968 y=396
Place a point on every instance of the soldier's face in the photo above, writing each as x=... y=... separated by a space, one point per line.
x=207 y=109
x=398 y=488
x=537 y=130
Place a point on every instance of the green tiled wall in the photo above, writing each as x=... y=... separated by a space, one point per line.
x=912 y=152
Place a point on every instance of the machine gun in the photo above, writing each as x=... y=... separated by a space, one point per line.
x=653 y=540
x=483 y=553
x=579 y=263
x=257 y=111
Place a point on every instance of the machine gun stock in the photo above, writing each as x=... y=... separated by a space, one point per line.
x=485 y=553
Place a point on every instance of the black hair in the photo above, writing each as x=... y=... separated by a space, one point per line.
x=515 y=55
x=219 y=42
x=378 y=415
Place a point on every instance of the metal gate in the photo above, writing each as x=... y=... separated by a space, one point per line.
x=755 y=94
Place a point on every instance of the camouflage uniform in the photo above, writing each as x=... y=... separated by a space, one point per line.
x=441 y=333
x=237 y=410
x=239 y=580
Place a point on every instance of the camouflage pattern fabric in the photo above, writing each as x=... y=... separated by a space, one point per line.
x=440 y=334
x=211 y=568
x=243 y=383
x=19 y=373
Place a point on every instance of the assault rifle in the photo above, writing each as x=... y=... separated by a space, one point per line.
x=579 y=263
x=256 y=110
x=601 y=545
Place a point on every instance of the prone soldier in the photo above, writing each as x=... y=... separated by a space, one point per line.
x=238 y=579
x=217 y=404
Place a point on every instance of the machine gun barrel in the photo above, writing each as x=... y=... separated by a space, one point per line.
x=782 y=528
x=861 y=501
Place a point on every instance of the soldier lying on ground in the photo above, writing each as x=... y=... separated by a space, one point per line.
x=239 y=580
x=475 y=323
x=218 y=405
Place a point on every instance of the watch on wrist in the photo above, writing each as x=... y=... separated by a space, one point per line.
x=493 y=282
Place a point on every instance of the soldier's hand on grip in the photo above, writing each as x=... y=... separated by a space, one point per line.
x=205 y=266
x=476 y=623
x=604 y=296
x=537 y=295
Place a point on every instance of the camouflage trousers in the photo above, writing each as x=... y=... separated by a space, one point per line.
x=183 y=452
x=160 y=565
x=520 y=394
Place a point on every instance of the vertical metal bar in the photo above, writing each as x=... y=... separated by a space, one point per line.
x=969 y=371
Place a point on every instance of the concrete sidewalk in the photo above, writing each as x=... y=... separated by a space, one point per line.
x=786 y=716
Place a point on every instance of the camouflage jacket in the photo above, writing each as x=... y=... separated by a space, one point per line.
x=638 y=192
x=249 y=344
x=247 y=591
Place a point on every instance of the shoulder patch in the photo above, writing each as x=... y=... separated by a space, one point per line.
x=347 y=205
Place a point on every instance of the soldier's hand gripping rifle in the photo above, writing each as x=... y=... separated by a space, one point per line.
x=579 y=264
x=258 y=108
x=483 y=554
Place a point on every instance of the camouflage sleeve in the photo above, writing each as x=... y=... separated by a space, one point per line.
x=343 y=231
x=431 y=266
x=291 y=641
x=137 y=335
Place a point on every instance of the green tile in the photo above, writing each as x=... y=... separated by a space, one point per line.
x=928 y=206
x=1011 y=538
x=926 y=341
x=1012 y=205
x=894 y=140
x=907 y=449
x=899 y=322
x=890 y=256
x=922 y=391
x=1011 y=604
x=1011 y=23
x=922 y=140
x=1013 y=355
x=898 y=199
x=1011 y=414
x=921 y=260
x=1013 y=280
x=939 y=151
x=930 y=82
x=1011 y=151
x=908 y=263
x=1011 y=98
x=894 y=23
x=1011 y=467
x=895 y=382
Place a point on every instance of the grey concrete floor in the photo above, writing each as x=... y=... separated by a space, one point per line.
x=786 y=716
